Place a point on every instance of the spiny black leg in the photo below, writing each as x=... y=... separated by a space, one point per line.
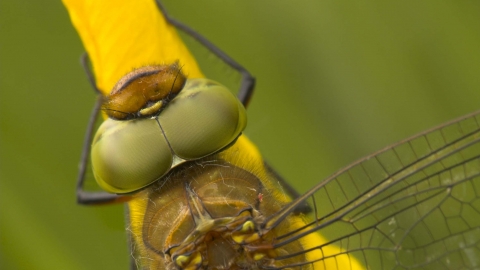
x=85 y=197
x=248 y=81
x=289 y=189
x=84 y=60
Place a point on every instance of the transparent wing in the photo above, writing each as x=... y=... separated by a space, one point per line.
x=413 y=205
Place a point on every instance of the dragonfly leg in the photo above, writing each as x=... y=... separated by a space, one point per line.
x=248 y=81
x=85 y=197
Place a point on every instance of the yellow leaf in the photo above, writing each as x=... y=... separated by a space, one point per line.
x=121 y=35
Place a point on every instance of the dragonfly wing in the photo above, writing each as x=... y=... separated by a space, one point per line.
x=289 y=189
x=413 y=205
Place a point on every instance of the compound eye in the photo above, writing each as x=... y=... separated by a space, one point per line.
x=128 y=155
x=202 y=119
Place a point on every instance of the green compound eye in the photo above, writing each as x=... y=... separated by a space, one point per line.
x=128 y=155
x=201 y=120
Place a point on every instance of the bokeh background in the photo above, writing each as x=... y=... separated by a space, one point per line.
x=336 y=80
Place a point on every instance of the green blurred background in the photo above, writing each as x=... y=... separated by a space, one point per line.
x=336 y=80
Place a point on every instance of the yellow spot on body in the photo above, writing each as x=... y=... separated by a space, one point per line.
x=258 y=256
x=238 y=238
x=248 y=226
x=197 y=260
x=189 y=262
x=182 y=260
x=152 y=109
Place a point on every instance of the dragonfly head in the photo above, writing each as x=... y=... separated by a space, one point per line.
x=161 y=120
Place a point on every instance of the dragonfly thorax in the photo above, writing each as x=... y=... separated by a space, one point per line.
x=209 y=215
x=223 y=244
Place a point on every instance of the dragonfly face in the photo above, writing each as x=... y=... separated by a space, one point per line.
x=211 y=191
x=159 y=120
x=414 y=205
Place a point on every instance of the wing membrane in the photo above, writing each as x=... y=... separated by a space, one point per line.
x=413 y=205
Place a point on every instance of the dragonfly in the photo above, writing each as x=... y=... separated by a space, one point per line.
x=412 y=205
